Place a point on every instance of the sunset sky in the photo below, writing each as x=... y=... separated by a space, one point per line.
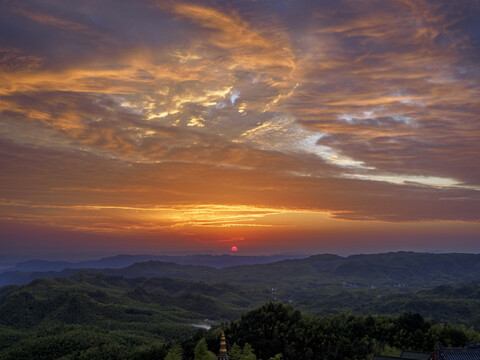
x=341 y=126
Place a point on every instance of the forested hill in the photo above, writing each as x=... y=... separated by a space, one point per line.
x=388 y=269
x=121 y=261
x=278 y=331
x=400 y=268
x=97 y=316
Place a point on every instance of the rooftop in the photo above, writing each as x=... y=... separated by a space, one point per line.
x=416 y=355
x=470 y=352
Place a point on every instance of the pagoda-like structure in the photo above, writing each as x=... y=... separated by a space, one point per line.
x=222 y=354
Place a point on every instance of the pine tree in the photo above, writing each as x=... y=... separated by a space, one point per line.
x=247 y=353
x=175 y=353
x=235 y=352
x=201 y=351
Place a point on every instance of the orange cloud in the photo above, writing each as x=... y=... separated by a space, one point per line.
x=239 y=120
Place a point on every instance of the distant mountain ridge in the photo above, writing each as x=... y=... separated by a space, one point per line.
x=386 y=269
x=124 y=260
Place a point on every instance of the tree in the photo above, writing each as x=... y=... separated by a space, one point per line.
x=235 y=352
x=247 y=353
x=175 y=353
x=277 y=357
x=201 y=351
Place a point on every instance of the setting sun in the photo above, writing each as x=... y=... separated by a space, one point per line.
x=168 y=126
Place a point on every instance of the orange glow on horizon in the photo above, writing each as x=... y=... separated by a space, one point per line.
x=210 y=124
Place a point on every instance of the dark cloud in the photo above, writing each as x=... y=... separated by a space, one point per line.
x=398 y=61
x=81 y=179
x=362 y=110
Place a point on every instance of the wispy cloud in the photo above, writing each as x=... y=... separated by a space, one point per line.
x=353 y=110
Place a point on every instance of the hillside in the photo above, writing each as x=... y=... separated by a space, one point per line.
x=273 y=330
x=276 y=328
x=135 y=318
x=389 y=269
x=406 y=269
x=120 y=261
x=97 y=298
x=100 y=316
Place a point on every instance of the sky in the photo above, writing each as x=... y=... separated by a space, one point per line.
x=340 y=126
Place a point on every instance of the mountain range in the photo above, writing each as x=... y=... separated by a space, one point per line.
x=147 y=304
x=123 y=260
x=372 y=270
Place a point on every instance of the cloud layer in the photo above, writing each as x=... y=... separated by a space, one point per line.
x=168 y=117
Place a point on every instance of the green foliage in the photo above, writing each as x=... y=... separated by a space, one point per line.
x=387 y=350
x=201 y=351
x=175 y=352
x=277 y=357
x=276 y=329
x=237 y=353
x=95 y=315
x=81 y=342
x=247 y=353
